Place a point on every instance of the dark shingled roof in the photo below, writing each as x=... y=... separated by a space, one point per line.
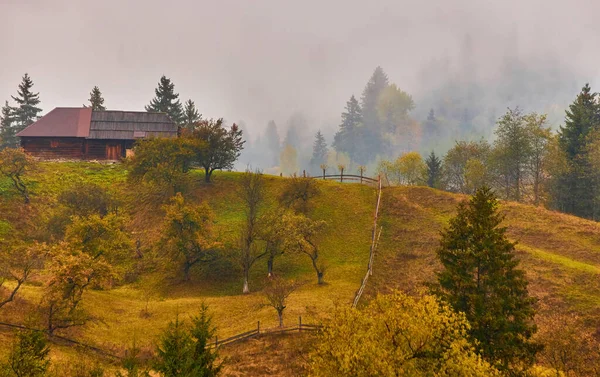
x=130 y=125
x=109 y=124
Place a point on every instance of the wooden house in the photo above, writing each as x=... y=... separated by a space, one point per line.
x=80 y=133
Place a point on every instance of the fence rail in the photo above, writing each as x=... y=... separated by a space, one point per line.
x=300 y=327
x=374 y=244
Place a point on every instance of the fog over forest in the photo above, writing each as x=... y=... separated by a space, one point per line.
x=299 y=62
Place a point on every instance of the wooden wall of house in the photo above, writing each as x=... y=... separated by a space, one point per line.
x=54 y=148
x=75 y=148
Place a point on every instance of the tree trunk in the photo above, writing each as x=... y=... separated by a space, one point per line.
x=246 y=289
x=186 y=271
x=280 y=313
x=207 y=174
x=270 y=265
x=320 y=277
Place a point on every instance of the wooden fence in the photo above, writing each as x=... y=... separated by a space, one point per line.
x=300 y=327
x=374 y=243
x=345 y=178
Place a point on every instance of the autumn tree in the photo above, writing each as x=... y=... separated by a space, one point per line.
x=219 y=147
x=191 y=115
x=398 y=335
x=252 y=195
x=303 y=239
x=540 y=144
x=298 y=193
x=17 y=264
x=96 y=100
x=8 y=130
x=102 y=238
x=26 y=112
x=166 y=101
x=434 y=170
x=393 y=106
x=370 y=98
x=187 y=236
x=163 y=163
x=276 y=292
x=288 y=160
x=480 y=277
x=455 y=163
x=411 y=168
x=15 y=164
x=71 y=273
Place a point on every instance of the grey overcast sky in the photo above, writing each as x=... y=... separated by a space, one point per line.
x=262 y=59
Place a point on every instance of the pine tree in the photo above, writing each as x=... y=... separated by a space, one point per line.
x=204 y=358
x=370 y=98
x=174 y=353
x=431 y=126
x=191 y=116
x=96 y=100
x=29 y=354
x=320 y=151
x=166 y=101
x=27 y=111
x=434 y=170
x=576 y=190
x=7 y=128
x=480 y=277
x=273 y=142
x=347 y=139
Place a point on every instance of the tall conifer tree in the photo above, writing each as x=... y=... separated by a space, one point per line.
x=191 y=115
x=320 y=151
x=434 y=170
x=166 y=101
x=273 y=142
x=26 y=112
x=481 y=278
x=370 y=98
x=7 y=128
x=96 y=100
x=347 y=139
x=576 y=190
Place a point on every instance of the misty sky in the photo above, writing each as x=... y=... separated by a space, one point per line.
x=261 y=59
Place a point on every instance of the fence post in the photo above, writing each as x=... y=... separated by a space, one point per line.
x=299 y=323
x=342 y=175
x=304 y=173
x=258 y=328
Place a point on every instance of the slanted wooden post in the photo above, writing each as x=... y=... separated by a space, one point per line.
x=258 y=328
x=216 y=341
x=300 y=323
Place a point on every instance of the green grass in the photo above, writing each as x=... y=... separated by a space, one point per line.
x=559 y=253
x=344 y=247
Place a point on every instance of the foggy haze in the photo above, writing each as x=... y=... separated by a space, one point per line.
x=268 y=59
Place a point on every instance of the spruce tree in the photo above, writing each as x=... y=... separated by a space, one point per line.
x=26 y=111
x=576 y=190
x=434 y=170
x=320 y=151
x=166 y=101
x=96 y=100
x=348 y=138
x=174 y=353
x=191 y=116
x=370 y=97
x=273 y=142
x=204 y=359
x=481 y=278
x=30 y=354
x=431 y=126
x=7 y=128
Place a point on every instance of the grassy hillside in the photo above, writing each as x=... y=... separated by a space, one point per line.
x=344 y=245
x=560 y=253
